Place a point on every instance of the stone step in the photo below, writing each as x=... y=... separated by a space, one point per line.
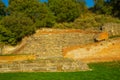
x=44 y=65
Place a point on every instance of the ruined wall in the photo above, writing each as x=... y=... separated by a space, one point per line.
x=48 y=65
x=112 y=28
x=49 y=43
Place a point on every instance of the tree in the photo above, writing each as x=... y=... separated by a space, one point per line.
x=23 y=19
x=45 y=17
x=116 y=7
x=82 y=6
x=38 y=12
x=102 y=7
x=15 y=27
x=108 y=7
x=2 y=9
x=64 y=10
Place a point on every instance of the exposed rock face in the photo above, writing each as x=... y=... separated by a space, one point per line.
x=101 y=36
x=95 y=52
x=7 y=49
x=112 y=28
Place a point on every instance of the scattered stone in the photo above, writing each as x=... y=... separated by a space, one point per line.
x=101 y=36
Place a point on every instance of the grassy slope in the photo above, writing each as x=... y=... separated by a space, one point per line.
x=88 y=20
x=101 y=71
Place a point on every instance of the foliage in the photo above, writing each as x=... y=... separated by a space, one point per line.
x=108 y=7
x=5 y=34
x=23 y=17
x=2 y=9
x=15 y=27
x=65 y=25
x=64 y=10
x=88 y=20
x=38 y=12
x=102 y=7
x=82 y=6
x=116 y=7
x=100 y=71
x=45 y=18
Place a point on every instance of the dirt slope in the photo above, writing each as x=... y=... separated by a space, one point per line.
x=96 y=52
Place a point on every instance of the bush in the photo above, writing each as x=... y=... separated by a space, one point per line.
x=64 y=10
x=88 y=20
x=45 y=18
x=15 y=27
x=38 y=12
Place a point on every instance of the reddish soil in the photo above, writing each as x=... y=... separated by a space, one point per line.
x=16 y=58
x=97 y=52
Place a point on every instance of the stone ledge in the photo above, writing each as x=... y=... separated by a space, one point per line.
x=45 y=65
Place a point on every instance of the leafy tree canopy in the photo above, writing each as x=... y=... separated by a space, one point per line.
x=64 y=10
x=38 y=12
x=15 y=27
x=107 y=7
x=2 y=9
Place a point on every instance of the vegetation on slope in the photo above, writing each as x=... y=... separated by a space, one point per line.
x=107 y=7
x=87 y=20
x=32 y=14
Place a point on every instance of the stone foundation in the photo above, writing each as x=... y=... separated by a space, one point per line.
x=112 y=28
x=45 y=65
x=49 y=43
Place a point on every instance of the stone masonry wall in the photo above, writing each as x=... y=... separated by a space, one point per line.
x=49 y=43
x=112 y=28
x=45 y=65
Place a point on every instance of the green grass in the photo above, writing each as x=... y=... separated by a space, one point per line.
x=100 y=71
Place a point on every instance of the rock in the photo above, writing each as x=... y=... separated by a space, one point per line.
x=102 y=36
x=103 y=51
x=113 y=29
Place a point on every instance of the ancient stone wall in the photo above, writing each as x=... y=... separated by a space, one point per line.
x=48 y=65
x=112 y=28
x=49 y=43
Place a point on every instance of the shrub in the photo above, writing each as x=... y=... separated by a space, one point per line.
x=15 y=27
x=64 y=10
